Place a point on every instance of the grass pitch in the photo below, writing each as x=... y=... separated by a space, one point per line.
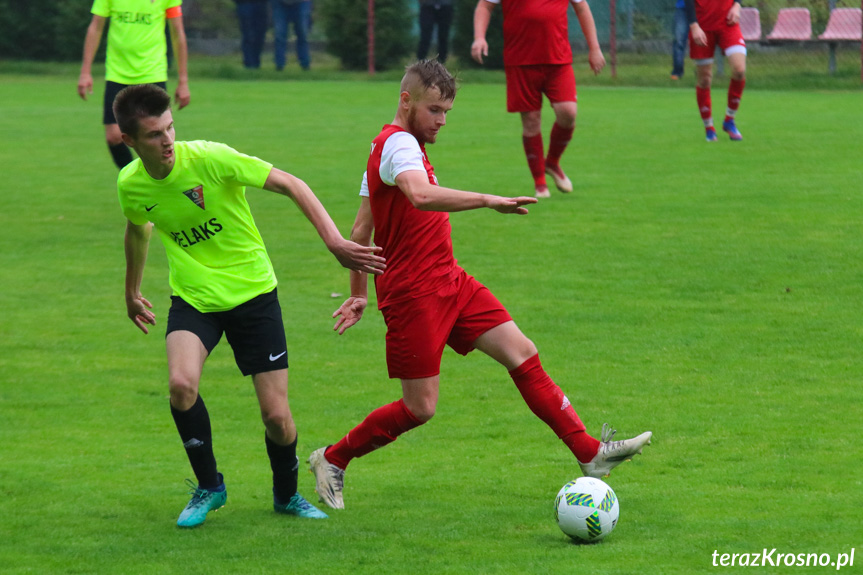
x=708 y=292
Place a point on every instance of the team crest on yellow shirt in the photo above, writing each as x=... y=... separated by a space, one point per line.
x=196 y=194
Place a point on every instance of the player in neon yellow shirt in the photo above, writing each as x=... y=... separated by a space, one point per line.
x=137 y=50
x=222 y=279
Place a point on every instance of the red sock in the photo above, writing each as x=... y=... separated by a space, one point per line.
x=381 y=427
x=535 y=158
x=735 y=92
x=557 y=143
x=547 y=401
x=702 y=95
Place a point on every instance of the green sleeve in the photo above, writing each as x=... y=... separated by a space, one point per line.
x=137 y=217
x=101 y=8
x=238 y=167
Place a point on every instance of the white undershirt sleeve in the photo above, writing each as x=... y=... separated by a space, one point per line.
x=401 y=153
x=364 y=187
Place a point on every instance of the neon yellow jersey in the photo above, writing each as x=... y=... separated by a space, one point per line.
x=137 y=46
x=216 y=256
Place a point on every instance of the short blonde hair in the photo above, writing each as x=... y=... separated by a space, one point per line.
x=423 y=75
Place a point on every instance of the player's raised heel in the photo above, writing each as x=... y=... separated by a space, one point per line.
x=299 y=507
x=731 y=129
x=613 y=453
x=563 y=183
x=203 y=501
x=329 y=479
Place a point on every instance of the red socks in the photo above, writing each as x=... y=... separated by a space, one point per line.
x=381 y=427
x=548 y=402
x=735 y=92
x=545 y=399
x=535 y=158
x=560 y=138
x=702 y=95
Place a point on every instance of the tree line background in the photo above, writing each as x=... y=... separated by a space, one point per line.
x=53 y=30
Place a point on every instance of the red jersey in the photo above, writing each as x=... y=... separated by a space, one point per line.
x=535 y=32
x=417 y=244
x=712 y=14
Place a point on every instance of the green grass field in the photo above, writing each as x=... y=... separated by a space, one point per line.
x=710 y=293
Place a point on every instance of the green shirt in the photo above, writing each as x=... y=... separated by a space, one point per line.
x=137 y=46
x=216 y=255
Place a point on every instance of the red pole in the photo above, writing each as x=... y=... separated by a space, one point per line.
x=371 y=35
x=612 y=7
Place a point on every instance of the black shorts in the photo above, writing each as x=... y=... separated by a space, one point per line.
x=254 y=330
x=111 y=91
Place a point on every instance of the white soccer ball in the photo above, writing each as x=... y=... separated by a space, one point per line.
x=586 y=509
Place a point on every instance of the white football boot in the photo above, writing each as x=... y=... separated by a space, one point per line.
x=329 y=478
x=613 y=453
x=563 y=183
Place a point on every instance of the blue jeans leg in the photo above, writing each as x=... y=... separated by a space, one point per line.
x=260 y=32
x=681 y=37
x=253 y=27
x=280 y=32
x=302 y=21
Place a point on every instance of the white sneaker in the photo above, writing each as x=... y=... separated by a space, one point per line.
x=563 y=183
x=329 y=478
x=613 y=453
x=542 y=192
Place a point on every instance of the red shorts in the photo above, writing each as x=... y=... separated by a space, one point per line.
x=525 y=86
x=726 y=37
x=455 y=315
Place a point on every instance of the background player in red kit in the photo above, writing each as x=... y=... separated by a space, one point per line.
x=427 y=299
x=712 y=23
x=537 y=58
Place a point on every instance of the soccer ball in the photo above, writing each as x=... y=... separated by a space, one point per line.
x=586 y=509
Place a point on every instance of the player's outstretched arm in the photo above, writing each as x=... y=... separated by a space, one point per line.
x=182 y=96
x=481 y=19
x=428 y=197
x=351 y=311
x=137 y=242
x=351 y=255
x=588 y=28
x=91 y=45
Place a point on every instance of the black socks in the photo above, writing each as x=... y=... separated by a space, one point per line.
x=285 y=465
x=121 y=154
x=194 y=428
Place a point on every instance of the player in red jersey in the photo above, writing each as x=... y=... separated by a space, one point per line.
x=537 y=58
x=427 y=299
x=712 y=23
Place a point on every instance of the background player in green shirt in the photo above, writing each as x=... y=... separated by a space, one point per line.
x=222 y=279
x=137 y=54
